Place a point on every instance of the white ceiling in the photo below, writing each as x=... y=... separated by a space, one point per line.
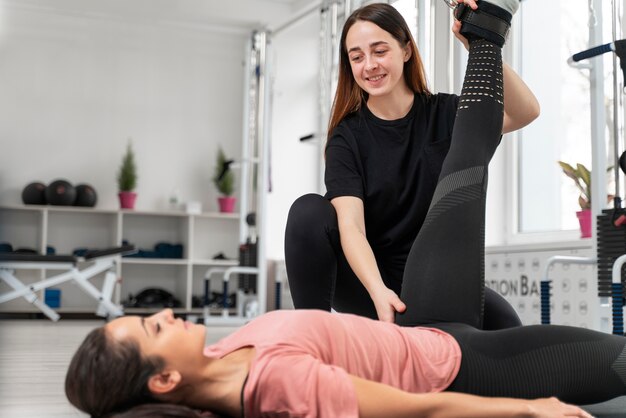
x=221 y=14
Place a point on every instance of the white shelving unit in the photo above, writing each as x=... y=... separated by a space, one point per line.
x=203 y=236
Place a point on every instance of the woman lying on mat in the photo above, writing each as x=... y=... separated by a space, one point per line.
x=318 y=364
x=433 y=362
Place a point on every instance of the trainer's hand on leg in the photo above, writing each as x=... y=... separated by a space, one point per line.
x=387 y=303
x=553 y=408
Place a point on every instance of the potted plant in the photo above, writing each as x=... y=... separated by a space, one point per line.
x=127 y=179
x=224 y=180
x=582 y=179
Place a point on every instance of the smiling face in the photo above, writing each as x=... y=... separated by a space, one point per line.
x=376 y=59
x=180 y=344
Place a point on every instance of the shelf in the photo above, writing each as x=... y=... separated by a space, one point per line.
x=220 y=263
x=38 y=208
x=154 y=261
x=179 y=262
x=174 y=213
x=68 y=227
x=53 y=208
x=97 y=210
x=217 y=215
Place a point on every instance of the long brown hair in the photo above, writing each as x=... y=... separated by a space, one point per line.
x=349 y=96
x=109 y=379
x=106 y=376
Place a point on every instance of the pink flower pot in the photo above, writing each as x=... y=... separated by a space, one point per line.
x=127 y=199
x=584 y=218
x=227 y=204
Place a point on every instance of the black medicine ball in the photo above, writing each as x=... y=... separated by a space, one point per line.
x=61 y=193
x=34 y=194
x=85 y=196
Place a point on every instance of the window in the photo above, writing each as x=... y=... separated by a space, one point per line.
x=408 y=10
x=547 y=199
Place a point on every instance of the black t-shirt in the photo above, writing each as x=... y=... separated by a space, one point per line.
x=393 y=166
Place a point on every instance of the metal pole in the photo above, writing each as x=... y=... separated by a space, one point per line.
x=263 y=119
x=617 y=99
x=596 y=91
x=245 y=152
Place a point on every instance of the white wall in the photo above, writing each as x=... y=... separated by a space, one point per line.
x=294 y=164
x=75 y=86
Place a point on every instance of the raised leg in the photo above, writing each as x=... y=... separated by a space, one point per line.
x=444 y=276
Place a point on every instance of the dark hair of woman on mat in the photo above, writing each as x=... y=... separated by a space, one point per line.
x=94 y=385
x=350 y=96
x=99 y=393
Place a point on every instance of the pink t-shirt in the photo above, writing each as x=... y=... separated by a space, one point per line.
x=303 y=358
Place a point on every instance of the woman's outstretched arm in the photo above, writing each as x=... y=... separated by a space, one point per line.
x=351 y=220
x=520 y=104
x=378 y=400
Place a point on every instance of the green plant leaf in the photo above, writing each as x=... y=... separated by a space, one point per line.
x=127 y=173
x=224 y=178
x=582 y=179
x=567 y=169
x=569 y=172
x=572 y=173
x=584 y=174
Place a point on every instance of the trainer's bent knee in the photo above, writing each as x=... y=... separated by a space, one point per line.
x=310 y=210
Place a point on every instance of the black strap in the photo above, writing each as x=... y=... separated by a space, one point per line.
x=464 y=13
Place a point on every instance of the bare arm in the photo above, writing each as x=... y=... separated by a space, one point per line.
x=358 y=252
x=377 y=400
x=520 y=104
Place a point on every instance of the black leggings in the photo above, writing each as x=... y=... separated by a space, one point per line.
x=574 y=364
x=577 y=365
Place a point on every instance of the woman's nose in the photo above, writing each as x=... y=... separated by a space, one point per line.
x=371 y=63
x=165 y=314
x=168 y=314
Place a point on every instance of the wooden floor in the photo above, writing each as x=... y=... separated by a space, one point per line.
x=34 y=355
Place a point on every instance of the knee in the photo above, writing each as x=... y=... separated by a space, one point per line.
x=310 y=212
x=499 y=314
x=310 y=209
